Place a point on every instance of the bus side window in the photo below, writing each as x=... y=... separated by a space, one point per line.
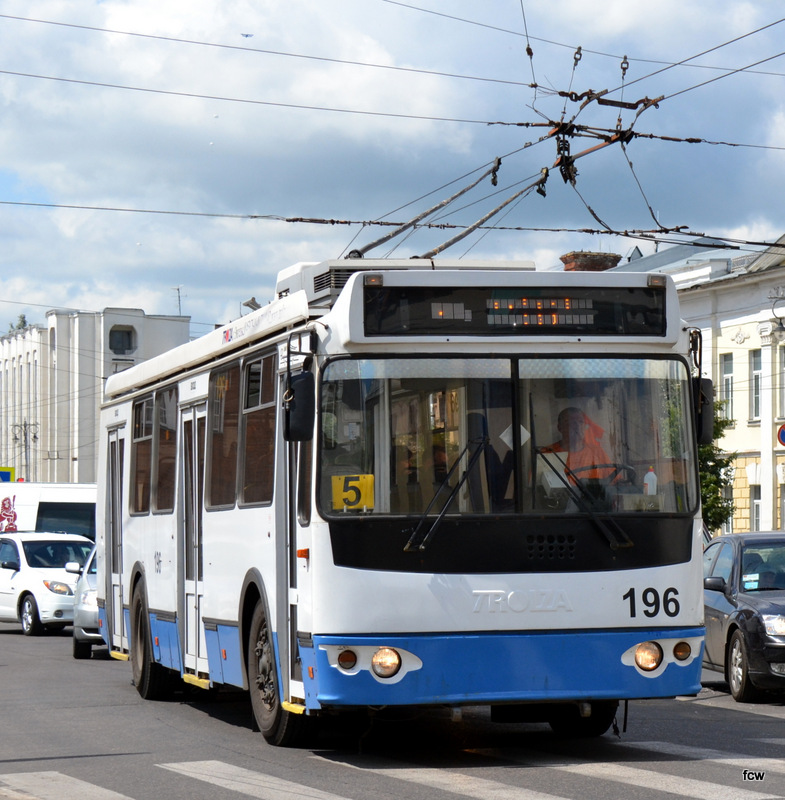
x=258 y=439
x=141 y=456
x=224 y=411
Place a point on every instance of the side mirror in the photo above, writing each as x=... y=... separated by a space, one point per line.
x=300 y=408
x=714 y=584
x=73 y=566
x=12 y=565
x=705 y=408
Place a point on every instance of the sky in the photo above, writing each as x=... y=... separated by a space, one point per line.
x=156 y=154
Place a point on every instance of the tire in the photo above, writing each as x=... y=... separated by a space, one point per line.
x=567 y=722
x=738 y=671
x=278 y=726
x=29 y=617
x=82 y=649
x=152 y=681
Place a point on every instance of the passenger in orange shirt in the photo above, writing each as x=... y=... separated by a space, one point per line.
x=579 y=439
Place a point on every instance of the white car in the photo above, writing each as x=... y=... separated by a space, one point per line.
x=35 y=588
x=86 y=631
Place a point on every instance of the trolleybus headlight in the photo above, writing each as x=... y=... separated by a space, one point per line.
x=347 y=659
x=385 y=662
x=648 y=656
x=682 y=651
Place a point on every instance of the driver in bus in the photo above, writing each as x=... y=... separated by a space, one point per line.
x=580 y=440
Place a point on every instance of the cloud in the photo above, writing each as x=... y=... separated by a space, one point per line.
x=215 y=123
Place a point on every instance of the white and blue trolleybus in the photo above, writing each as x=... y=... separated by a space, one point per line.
x=414 y=483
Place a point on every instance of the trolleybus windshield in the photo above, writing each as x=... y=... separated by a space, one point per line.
x=454 y=436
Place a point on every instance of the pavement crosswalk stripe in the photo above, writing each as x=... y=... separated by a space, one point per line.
x=248 y=782
x=52 y=786
x=776 y=765
x=455 y=782
x=648 y=779
x=466 y=785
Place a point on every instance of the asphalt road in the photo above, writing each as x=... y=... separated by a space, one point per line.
x=77 y=730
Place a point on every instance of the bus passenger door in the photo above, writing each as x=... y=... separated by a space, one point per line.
x=114 y=540
x=193 y=438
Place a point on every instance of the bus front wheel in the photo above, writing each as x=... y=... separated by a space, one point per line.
x=278 y=726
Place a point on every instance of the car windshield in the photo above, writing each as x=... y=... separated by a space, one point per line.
x=56 y=552
x=763 y=567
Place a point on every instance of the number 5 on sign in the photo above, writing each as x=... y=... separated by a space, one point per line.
x=352 y=491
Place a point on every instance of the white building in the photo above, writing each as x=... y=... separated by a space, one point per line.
x=739 y=305
x=51 y=385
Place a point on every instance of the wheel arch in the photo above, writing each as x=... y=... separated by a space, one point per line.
x=732 y=628
x=253 y=591
x=19 y=600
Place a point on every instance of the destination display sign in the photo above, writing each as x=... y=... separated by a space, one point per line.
x=543 y=311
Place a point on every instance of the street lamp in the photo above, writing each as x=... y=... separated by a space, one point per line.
x=24 y=433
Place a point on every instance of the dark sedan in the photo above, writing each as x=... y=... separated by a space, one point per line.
x=744 y=596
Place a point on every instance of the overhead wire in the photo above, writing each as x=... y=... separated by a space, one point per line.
x=322 y=108
x=247 y=101
x=569 y=46
x=263 y=51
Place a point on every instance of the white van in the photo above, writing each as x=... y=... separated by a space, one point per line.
x=50 y=507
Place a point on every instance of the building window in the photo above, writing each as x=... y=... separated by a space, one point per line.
x=756 y=376
x=727 y=526
x=122 y=340
x=726 y=387
x=754 y=508
x=782 y=382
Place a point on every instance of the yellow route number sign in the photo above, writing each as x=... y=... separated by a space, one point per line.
x=352 y=492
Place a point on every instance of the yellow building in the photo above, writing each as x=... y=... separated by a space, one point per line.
x=738 y=302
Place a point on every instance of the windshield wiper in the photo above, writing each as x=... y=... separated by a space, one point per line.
x=419 y=540
x=611 y=530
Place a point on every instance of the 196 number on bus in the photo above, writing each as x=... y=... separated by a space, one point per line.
x=654 y=603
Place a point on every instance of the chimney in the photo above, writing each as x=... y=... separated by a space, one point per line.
x=581 y=261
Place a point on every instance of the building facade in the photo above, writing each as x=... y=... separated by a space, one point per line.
x=739 y=306
x=51 y=385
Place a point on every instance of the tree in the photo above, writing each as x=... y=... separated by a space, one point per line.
x=20 y=325
x=716 y=474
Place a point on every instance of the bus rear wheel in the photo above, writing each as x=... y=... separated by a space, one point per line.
x=152 y=681
x=278 y=726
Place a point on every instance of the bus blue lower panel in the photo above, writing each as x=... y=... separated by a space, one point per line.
x=166 y=641
x=502 y=668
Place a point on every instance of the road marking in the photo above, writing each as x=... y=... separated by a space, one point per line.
x=714 y=756
x=662 y=782
x=455 y=782
x=52 y=786
x=249 y=782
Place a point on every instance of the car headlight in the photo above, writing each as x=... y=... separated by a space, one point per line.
x=774 y=624
x=58 y=587
x=89 y=598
